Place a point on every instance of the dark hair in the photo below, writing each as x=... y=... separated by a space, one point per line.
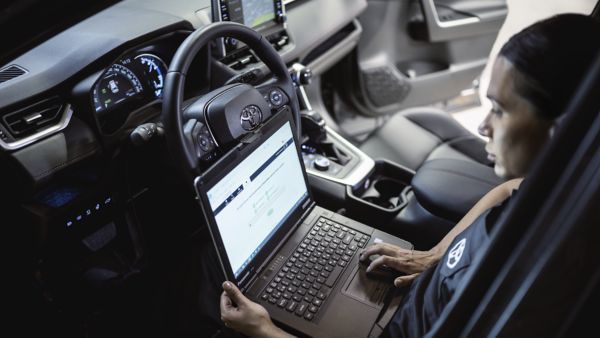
x=553 y=55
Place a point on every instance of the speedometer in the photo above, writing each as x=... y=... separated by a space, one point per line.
x=117 y=84
x=155 y=70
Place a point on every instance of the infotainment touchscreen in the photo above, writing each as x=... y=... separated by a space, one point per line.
x=252 y=13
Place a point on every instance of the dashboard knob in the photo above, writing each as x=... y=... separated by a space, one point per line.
x=322 y=163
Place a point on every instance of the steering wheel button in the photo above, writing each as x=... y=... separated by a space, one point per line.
x=204 y=143
x=276 y=97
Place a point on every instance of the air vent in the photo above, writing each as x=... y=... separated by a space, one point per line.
x=34 y=118
x=11 y=72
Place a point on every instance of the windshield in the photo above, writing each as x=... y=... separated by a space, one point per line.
x=27 y=23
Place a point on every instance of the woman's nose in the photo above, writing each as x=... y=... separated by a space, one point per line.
x=484 y=128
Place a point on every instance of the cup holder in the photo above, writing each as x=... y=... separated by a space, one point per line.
x=386 y=193
x=383 y=193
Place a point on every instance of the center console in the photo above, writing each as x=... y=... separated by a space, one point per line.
x=336 y=159
x=371 y=191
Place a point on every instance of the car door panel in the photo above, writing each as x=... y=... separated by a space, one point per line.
x=451 y=19
x=417 y=52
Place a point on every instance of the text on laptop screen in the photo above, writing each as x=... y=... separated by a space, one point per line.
x=253 y=200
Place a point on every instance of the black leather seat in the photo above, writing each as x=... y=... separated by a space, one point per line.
x=449 y=188
x=452 y=169
x=416 y=135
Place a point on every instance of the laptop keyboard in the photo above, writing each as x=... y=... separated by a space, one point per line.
x=305 y=280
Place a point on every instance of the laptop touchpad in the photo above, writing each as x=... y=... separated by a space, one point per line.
x=366 y=289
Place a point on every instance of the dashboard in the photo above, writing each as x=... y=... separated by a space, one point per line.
x=82 y=92
x=73 y=101
x=107 y=67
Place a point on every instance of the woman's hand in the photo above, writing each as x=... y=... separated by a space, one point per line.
x=246 y=316
x=410 y=262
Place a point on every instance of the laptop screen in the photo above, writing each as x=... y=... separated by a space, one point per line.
x=255 y=198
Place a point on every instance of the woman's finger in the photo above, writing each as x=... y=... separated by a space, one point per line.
x=234 y=293
x=378 y=249
x=379 y=261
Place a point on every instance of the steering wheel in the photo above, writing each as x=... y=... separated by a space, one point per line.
x=195 y=132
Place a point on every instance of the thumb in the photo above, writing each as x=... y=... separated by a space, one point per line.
x=405 y=280
x=234 y=293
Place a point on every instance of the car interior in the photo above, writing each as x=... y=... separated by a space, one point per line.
x=109 y=115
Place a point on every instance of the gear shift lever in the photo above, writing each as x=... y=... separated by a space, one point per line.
x=313 y=125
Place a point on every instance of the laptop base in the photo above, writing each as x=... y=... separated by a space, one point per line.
x=354 y=302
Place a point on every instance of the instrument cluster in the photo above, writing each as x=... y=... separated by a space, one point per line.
x=133 y=80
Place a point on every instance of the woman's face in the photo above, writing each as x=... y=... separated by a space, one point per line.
x=516 y=134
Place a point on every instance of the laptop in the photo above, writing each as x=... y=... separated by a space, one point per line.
x=298 y=260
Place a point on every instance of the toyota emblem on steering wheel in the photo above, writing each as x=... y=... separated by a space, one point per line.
x=251 y=117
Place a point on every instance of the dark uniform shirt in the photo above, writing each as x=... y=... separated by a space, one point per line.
x=433 y=289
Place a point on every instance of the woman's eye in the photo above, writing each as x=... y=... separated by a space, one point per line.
x=497 y=111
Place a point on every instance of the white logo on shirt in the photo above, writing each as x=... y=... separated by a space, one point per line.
x=456 y=253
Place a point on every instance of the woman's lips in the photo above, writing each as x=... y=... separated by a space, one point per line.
x=491 y=157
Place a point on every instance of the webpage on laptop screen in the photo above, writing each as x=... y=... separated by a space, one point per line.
x=256 y=197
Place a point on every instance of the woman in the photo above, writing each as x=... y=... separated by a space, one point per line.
x=533 y=78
